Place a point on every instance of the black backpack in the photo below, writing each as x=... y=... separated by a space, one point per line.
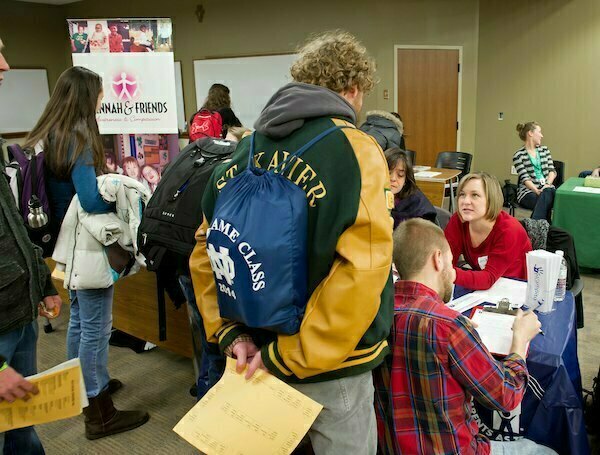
x=174 y=213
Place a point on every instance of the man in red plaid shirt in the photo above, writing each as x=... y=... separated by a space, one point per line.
x=439 y=362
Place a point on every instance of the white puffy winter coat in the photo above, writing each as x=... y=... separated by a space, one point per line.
x=80 y=247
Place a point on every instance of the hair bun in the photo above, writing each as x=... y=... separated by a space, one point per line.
x=520 y=127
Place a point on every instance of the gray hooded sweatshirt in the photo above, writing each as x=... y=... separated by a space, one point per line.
x=296 y=102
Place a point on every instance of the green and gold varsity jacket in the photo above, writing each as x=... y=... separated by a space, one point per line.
x=346 y=181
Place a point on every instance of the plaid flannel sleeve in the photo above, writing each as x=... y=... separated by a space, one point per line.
x=498 y=385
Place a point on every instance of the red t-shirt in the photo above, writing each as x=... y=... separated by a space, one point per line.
x=502 y=253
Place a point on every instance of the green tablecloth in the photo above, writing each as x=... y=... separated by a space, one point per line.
x=579 y=214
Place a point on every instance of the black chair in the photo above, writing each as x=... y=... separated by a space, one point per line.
x=560 y=173
x=443 y=217
x=460 y=161
x=412 y=156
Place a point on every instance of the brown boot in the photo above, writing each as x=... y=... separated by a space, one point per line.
x=102 y=419
x=114 y=385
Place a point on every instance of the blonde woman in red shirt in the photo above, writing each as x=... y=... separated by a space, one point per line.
x=492 y=242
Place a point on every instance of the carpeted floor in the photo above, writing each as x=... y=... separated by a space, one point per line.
x=156 y=381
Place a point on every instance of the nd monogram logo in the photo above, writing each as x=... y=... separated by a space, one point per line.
x=221 y=263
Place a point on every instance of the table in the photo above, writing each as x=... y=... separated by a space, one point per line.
x=135 y=312
x=434 y=188
x=579 y=214
x=551 y=412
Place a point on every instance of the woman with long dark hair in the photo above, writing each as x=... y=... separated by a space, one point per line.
x=409 y=201
x=74 y=156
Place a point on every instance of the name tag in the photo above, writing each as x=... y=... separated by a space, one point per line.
x=482 y=260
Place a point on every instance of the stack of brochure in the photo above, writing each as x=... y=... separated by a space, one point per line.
x=543 y=268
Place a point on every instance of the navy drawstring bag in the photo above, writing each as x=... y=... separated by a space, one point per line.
x=256 y=244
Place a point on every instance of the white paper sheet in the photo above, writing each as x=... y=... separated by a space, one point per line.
x=495 y=330
x=505 y=288
x=421 y=168
x=466 y=302
x=585 y=189
x=426 y=174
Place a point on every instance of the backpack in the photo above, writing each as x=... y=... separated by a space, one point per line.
x=174 y=212
x=591 y=401
x=28 y=185
x=206 y=123
x=259 y=263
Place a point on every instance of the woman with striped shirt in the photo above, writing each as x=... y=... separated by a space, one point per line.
x=535 y=167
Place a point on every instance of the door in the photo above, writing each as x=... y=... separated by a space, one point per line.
x=427 y=94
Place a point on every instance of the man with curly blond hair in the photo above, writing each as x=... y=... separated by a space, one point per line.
x=349 y=311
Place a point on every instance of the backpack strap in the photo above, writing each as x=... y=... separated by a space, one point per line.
x=298 y=153
x=18 y=154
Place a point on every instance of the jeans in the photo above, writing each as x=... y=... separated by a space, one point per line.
x=210 y=362
x=89 y=330
x=19 y=348
x=541 y=205
x=346 y=425
x=520 y=447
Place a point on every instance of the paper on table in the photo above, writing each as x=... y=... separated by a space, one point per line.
x=495 y=330
x=60 y=397
x=421 y=168
x=505 y=288
x=586 y=189
x=466 y=302
x=257 y=416
x=426 y=174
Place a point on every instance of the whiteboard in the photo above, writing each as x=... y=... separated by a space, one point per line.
x=23 y=97
x=181 y=120
x=251 y=80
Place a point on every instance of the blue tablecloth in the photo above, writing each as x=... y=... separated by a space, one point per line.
x=552 y=410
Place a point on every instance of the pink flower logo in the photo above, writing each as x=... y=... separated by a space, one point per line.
x=125 y=86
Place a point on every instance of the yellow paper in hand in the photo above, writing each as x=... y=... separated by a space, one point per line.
x=262 y=415
x=59 y=398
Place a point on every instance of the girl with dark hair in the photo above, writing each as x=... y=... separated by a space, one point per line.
x=74 y=156
x=409 y=201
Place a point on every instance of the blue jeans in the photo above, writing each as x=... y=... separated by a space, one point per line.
x=19 y=348
x=541 y=205
x=519 y=447
x=90 y=324
x=211 y=361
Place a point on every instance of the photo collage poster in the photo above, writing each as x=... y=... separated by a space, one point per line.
x=134 y=57
x=120 y=35
x=142 y=157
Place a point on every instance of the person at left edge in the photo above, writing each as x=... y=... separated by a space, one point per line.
x=24 y=282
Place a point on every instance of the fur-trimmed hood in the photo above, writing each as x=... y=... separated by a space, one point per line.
x=384 y=128
x=372 y=118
